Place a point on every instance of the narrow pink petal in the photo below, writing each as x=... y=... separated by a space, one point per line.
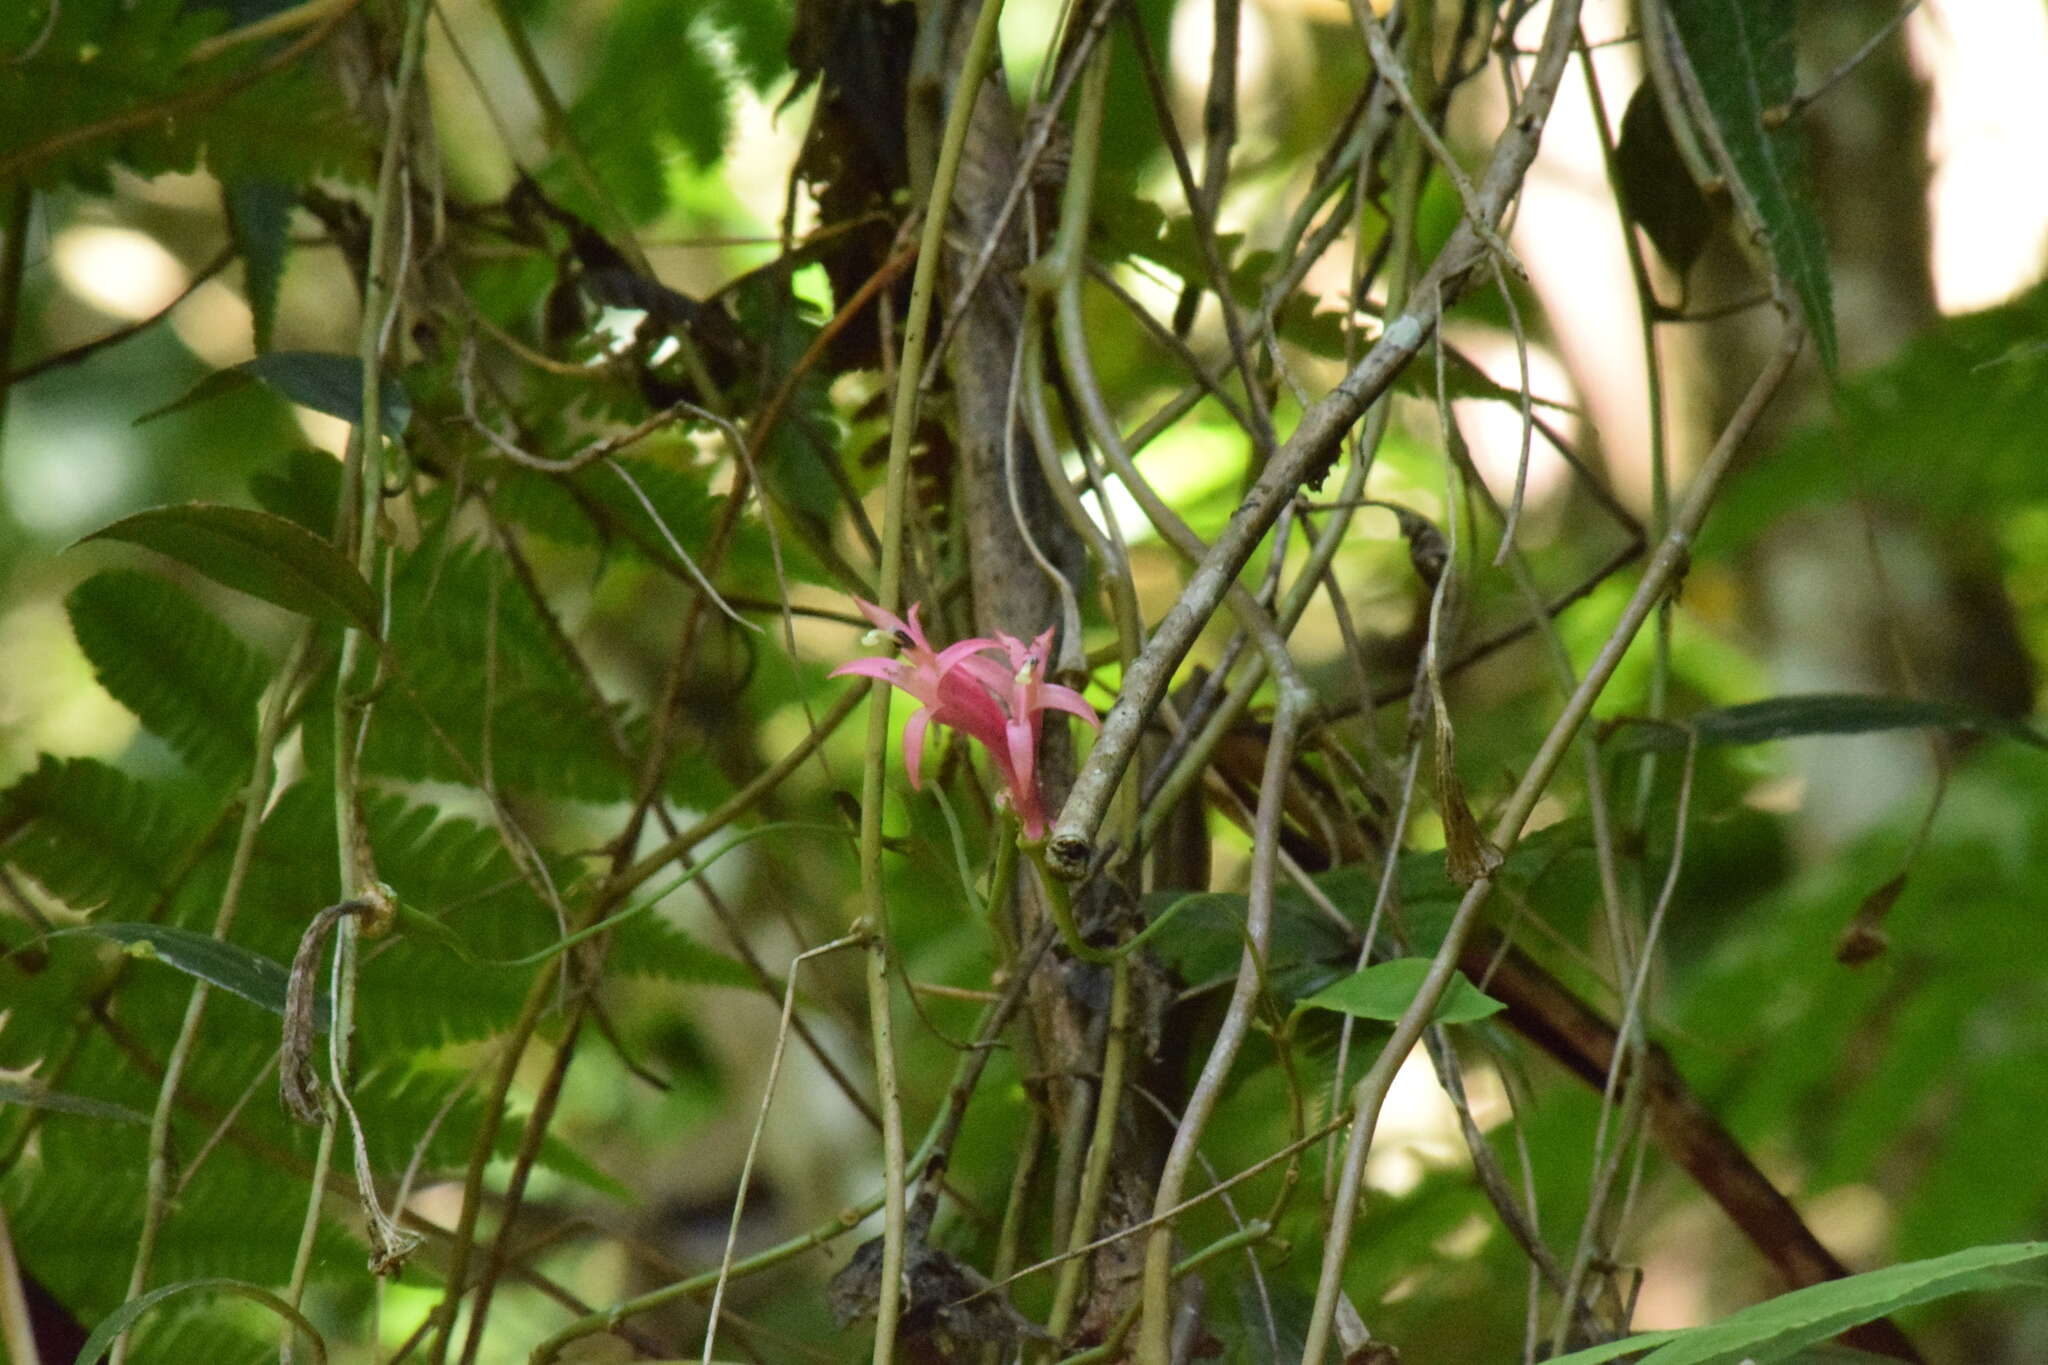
x=951 y=655
x=986 y=674
x=913 y=746
x=1019 y=654
x=1022 y=777
x=887 y=622
x=1021 y=738
x=914 y=628
x=1053 y=697
x=888 y=670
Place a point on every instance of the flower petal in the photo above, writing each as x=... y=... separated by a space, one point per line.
x=1021 y=739
x=1053 y=697
x=952 y=655
x=913 y=745
x=888 y=670
x=967 y=706
x=914 y=629
x=887 y=622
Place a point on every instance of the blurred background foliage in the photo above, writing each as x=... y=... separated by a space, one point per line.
x=1887 y=534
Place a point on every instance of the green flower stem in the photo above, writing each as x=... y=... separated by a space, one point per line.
x=1002 y=880
x=1062 y=902
x=980 y=54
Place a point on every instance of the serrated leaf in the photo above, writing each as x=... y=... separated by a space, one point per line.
x=186 y=676
x=228 y=966
x=1776 y=1328
x=1741 y=53
x=254 y=552
x=595 y=507
x=96 y=62
x=36 y=1097
x=320 y=380
x=411 y=995
x=1384 y=991
x=92 y=835
x=658 y=88
x=1820 y=713
x=648 y=946
x=759 y=31
x=259 y=213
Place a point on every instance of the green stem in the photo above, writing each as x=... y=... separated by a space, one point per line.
x=1061 y=901
x=1155 y=1319
x=1659 y=576
x=1002 y=879
x=270 y=729
x=1250 y=1234
x=309 y=1229
x=980 y=54
x=358 y=534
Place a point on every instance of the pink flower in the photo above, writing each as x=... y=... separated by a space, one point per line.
x=963 y=687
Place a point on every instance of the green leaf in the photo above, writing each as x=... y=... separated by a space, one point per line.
x=759 y=32
x=1775 y=1329
x=92 y=835
x=259 y=212
x=594 y=507
x=658 y=89
x=185 y=675
x=35 y=1097
x=1201 y=935
x=125 y=1316
x=1385 y=990
x=1820 y=713
x=256 y=553
x=649 y=946
x=96 y=61
x=306 y=490
x=1742 y=56
x=320 y=380
x=228 y=966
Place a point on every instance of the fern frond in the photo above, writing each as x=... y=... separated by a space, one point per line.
x=594 y=508
x=647 y=945
x=185 y=675
x=93 y=836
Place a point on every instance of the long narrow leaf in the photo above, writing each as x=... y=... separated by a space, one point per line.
x=1776 y=1328
x=1819 y=713
x=1741 y=53
x=229 y=966
x=254 y=552
x=36 y=1097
